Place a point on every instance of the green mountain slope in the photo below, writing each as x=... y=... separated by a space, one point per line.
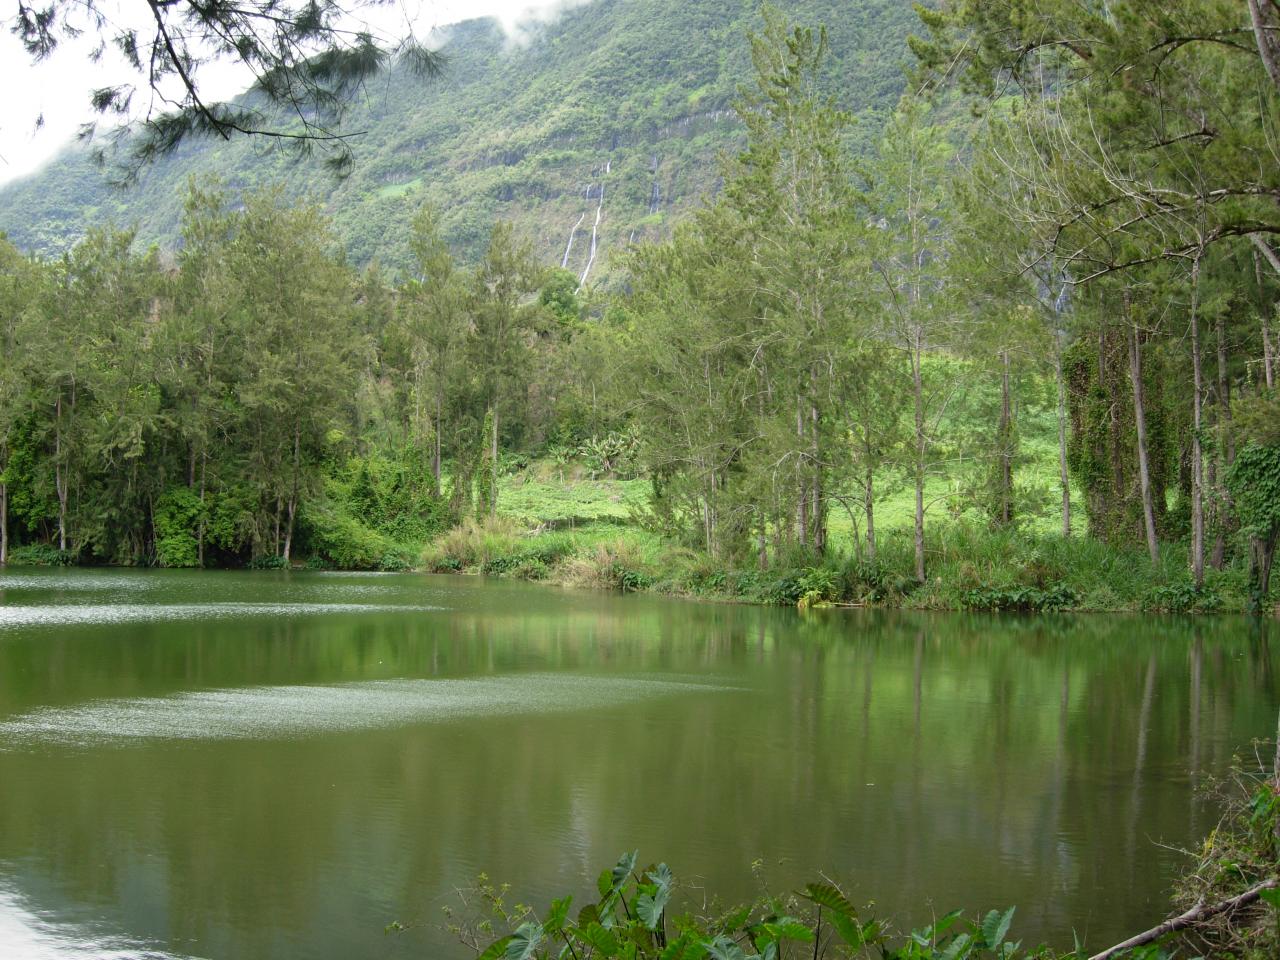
x=629 y=99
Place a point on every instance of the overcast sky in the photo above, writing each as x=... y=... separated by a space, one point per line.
x=58 y=89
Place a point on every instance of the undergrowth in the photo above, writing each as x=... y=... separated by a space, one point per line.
x=970 y=567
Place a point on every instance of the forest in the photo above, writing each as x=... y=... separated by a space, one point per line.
x=1094 y=236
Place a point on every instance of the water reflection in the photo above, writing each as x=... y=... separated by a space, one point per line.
x=288 y=789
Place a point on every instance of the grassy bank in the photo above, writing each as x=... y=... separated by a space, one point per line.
x=970 y=567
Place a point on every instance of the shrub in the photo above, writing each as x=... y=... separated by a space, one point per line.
x=1181 y=597
x=178 y=514
x=41 y=555
x=1019 y=598
x=635 y=917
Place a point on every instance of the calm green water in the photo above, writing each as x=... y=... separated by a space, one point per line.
x=242 y=766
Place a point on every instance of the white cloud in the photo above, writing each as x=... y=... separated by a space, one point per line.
x=49 y=101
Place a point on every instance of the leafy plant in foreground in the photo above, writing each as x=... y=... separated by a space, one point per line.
x=633 y=919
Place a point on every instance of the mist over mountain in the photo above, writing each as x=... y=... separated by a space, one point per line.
x=590 y=131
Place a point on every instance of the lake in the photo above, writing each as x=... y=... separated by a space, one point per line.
x=252 y=765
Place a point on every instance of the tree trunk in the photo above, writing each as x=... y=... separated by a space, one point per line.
x=1224 y=394
x=1063 y=478
x=1266 y=23
x=802 y=507
x=1268 y=352
x=1006 y=444
x=4 y=523
x=817 y=513
x=288 y=530
x=1140 y=422
x=204 y=460
x=1197 y=454
x=60 y=475
x=1264 y=552
x=869 y=505
x=493 y=471
x=435 y=455
x=1227 y=446
x=292 y=505
x=918 y=390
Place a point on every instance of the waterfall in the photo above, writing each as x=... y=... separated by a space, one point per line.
x=564 y=263
x=595 y=227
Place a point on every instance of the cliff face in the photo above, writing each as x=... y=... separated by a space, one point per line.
x=600 y=129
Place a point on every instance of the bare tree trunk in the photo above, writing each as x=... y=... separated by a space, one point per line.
x=1224 y=393
x=1266 y=25
x=204 y=459
x=1197 y=454
x=1227 y=447
x=869 y=506
x=1063 y=478
x=1140 y=421
x=802 y=508
x=493 y=472
x=918 y=389
x=435 y=455
x=1006 y=443
x=4 y=523
x=1268 y=353
x=1264 y=316
x=292 y=506
x=817 y=513
x=60 y=475
x=288 y=530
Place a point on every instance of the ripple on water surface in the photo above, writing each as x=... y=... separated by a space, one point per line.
x=297 y=711
x=26 y=615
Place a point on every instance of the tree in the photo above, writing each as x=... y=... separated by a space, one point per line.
x=305 y=57
x=20 y=283
x=1159 y=116
x=502 y=323
x=432 y=318
x=292 y=322
x=909 y=201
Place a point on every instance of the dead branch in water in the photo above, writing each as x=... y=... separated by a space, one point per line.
x=1196 y=914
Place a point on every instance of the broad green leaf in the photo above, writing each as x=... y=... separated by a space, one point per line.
x=788 y=928
x=995 y=926
x=661 y=875
x=1272 y=896
x=722 y=948
x=524 y=942
x=496 y=949
x=604 y=882
x=649 y=907
x=603 y=940
x=957 y=948
x=685 y=948
x=847 y=928
x=588 y=915
x=626 y=863
x=556 y=917
x=945 y=923
x=733 y=921
x=825 y=895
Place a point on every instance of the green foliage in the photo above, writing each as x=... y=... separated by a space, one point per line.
x=1019 y=598
x=40 y=555
x=1254 y=482
x=635 y=918
x=1181 y=597
x=179 y=515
